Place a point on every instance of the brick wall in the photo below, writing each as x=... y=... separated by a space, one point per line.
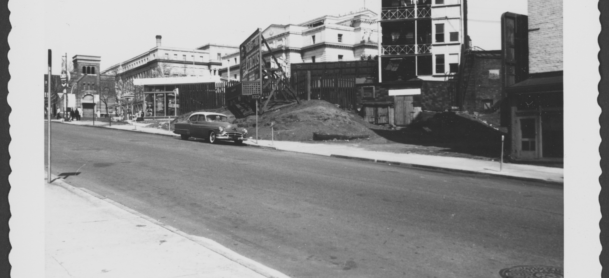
x=545 y=44
x=483 y=84
x=436 y=95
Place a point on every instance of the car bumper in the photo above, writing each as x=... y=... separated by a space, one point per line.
x=231 y=136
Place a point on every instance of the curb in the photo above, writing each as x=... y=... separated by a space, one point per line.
x=441 y=169
x=130 y=130
x=262 y=147
x=410 y=165
x=205 y=242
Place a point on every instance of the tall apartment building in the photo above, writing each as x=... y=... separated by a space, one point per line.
x=328 y=38
x=421 y=39
x=536 y=106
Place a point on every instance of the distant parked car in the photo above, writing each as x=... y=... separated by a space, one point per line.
x=210 y=126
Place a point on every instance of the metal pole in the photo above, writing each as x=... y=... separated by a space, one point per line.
x=501 y=165
x=49 y=120
x=256 y=121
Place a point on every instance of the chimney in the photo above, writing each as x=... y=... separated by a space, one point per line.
x=158 y=40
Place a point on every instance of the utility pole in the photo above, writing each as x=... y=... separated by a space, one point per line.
x=49 y=120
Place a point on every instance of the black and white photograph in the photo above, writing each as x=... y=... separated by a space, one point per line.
x=337 y=138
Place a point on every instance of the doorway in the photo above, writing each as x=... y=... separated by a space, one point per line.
x=528 y=137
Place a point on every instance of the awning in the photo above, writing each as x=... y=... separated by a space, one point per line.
x=541 y=83
x=175 y=80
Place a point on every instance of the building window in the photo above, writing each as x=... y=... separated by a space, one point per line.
x=93 y=70
x=454 y=36
x=439 y=32
x=201 y=58
x=219 y=56
x=313 y=39
x=493 y=74
x=340 y=37
x=453 y=63
x=340 y=57
x=313 y=59
x=175 y=56
x=184 y=57
x=439 y=2
x=167 y=56
x=235 y=61
x=235 y=76
x=440 y=63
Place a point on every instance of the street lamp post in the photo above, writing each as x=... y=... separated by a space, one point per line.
x=49 y=119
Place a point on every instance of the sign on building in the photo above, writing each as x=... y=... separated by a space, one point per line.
x=251 y=70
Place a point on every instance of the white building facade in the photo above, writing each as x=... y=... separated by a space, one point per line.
x=348 y=37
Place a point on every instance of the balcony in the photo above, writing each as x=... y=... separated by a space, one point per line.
x=397 y=13
x=407 y=49
x=424 y=12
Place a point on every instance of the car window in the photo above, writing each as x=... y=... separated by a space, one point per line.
x=216 y=118
x=193 y=118
x=201 y=118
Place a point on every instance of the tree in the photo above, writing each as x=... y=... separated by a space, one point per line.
x=107 y=94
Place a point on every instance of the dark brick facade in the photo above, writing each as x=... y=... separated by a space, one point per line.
x=484 y=87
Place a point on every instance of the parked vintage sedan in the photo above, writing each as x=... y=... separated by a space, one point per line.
x=210 y=126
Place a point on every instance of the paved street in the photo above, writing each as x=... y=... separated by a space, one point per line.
x=313 y=216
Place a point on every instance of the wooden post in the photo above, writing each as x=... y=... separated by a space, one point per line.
x=308 y=85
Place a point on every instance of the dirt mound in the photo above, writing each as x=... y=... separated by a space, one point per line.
x=298 y=122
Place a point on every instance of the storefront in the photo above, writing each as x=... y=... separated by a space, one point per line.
x=160 y=104
x=536 y=125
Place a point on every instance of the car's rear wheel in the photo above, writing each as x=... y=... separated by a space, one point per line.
x=212 y=137
x=184 y=136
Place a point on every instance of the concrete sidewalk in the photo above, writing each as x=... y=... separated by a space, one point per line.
x=465 y=165
x=90 y=236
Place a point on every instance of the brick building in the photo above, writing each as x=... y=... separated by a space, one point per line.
x=482 y=92
x=89 y=91
x=536 y=107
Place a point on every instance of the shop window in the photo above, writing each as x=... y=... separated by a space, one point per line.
x=439 y=32
x=439 y=2
x=440 y=63
x=340 y=37
x=454 y=36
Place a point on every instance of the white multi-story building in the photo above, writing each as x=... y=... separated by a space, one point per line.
x=422 y=38
x=329 y=38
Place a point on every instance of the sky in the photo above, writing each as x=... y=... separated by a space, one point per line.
x=118 y=30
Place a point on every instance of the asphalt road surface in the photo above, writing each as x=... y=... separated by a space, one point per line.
x=314 y=216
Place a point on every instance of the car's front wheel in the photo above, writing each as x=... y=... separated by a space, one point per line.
x=239 y=142
x=212 y=137
x=184 y=136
